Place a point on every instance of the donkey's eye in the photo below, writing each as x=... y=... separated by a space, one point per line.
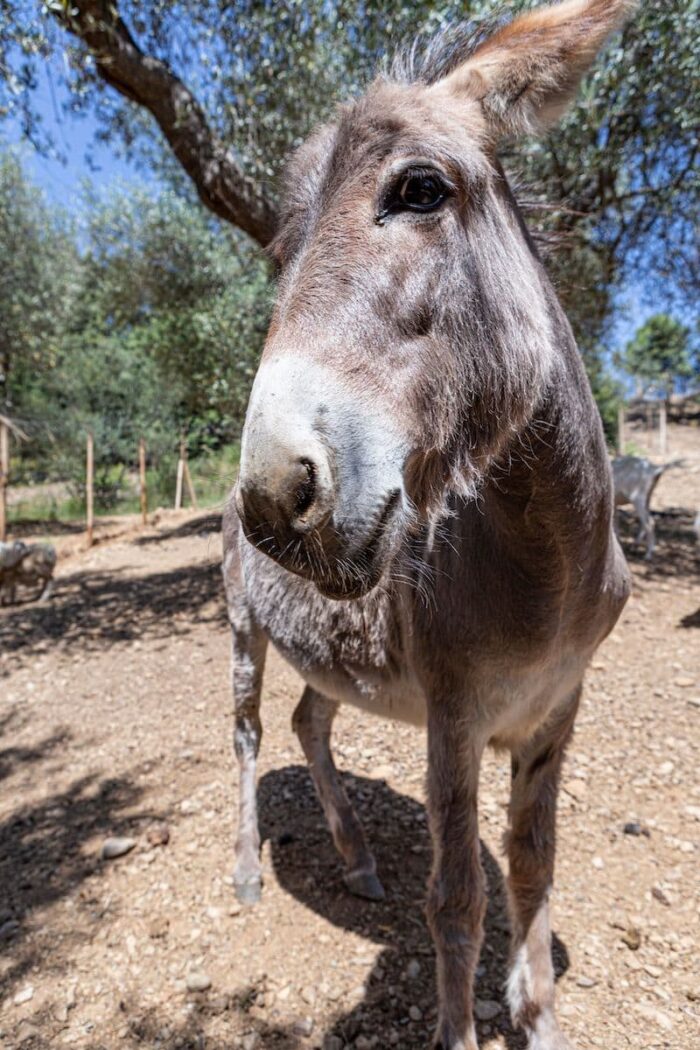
x=421 y=192
x=416 y=190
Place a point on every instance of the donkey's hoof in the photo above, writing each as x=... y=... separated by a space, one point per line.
x=248 y=892
x=364 y=884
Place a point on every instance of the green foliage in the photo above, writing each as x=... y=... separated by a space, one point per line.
x=659 y=354
x=38 y=276
x=191 y=294
x=153 y=330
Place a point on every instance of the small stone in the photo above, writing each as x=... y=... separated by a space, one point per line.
x=117 y=847
x=658 y=1016
x=632 y=937
x=332 y=1042
x=8 y=929
x=578 y=789
x=486 y=1009
x=26 y=1031
x=685 y=683
x=158 y=835
x=415 y=1013
x=659 y=895
x=413 y=970
x=303 y=1027
x=250 y=1041
x=598 y=863
x=196 y=981
x=309 y=995
x=634 y=828
x=24 y=995
x=586 y=982
x=158 y=927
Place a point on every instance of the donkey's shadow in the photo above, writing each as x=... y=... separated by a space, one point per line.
x=398 y=1005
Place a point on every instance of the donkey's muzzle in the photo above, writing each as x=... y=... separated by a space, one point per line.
x=284 y=498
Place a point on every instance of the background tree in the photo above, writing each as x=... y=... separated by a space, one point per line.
x=153 y=327
x=38 y=280
x=659 y=355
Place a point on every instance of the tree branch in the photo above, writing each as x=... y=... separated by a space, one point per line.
x=217 y=175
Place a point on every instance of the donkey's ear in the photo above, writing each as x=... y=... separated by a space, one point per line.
x=526 y=74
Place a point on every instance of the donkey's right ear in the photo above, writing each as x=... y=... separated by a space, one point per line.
x=526 y=74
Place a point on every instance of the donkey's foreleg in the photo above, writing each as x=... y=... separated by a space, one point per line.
x=456 y=897
x=249 y=644
x=531 y=848
x=312 y=722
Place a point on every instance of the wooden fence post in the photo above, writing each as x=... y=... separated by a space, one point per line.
x=4 y=477
x=663 y=431
x=190 y=486
x=621 y=429
x=184 y=476
x=89 y=486
x=143 y=490
x=180 y=475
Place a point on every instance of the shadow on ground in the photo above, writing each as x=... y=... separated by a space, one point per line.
x=92 y=610
x=307 y=866
x=40 y=526
x=201 y=526
x=49 y=849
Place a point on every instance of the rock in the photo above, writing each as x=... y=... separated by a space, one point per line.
x=415 y=1013
x=303 y=1027
x=413 y=970
x=634 y=828
x=578 y=789
x=486 y=1009
x=598 y=863
x=250 y=1041
x=196 y=981
x=333 y=1042
x=158 y=835
x=24 y=995
x=158 y=927
x=632 y=937
x=26 y=1031
x=309 y=995
x=8 y=929
x=658 y=1016
x=685 y=683
x=116 y=847
x=659 y=895
x=586 y=982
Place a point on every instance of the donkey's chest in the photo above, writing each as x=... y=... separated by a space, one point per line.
x=367 y=653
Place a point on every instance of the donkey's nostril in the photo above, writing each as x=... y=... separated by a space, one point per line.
x=306 y=490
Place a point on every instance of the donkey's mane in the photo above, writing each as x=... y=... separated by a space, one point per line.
x=432 y=56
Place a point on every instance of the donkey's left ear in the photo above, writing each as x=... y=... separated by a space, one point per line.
x=526 y=74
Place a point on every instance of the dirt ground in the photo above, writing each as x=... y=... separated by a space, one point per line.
x=115 y=720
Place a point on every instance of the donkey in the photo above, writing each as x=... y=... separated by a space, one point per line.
x=422 y=523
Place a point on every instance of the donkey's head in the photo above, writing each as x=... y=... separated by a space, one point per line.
x=412 y=335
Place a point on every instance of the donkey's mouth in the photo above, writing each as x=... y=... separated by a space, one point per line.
x=339 y=568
